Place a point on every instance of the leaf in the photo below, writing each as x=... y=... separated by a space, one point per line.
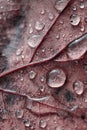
x=43 y=58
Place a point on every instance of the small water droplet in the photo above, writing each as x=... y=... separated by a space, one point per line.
x=58 y=36
x=43 y=50
x=42 y=88
x=32 y=74
x=82 y=28
x=18 y=52
x=27 y=123
x=60 y=4
x=34 y=41
x=42 y=79
x=19 y=114
x=50 y=16
x=39 y=26
x=56 y=78
x=58 y=128
x=74 y=8
x=42 y=11
x=78 y=87
x=82 y=5
x=75 y=19
x=22 y=79
x=42 y=124
x=85 y=19
x=31 y=30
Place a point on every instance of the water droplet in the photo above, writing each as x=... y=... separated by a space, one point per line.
x=43 y=50
x=19 y=114
x=42 y=11
x=50 y=16
x=32 y=74
x=27 y=123
x=42 y=79
x=39 y=26
x=82 y=5
x=34 y=41
x=58 y=128
x=74 y=8
x=85 y=19
x=60 y=4
x=82 y=28
x=42 y=124
x=58 y=36
x=31 y=30
x=78 y=87
x=18 y=52
x=56 y=78
x=42 y=88
x=75 y=19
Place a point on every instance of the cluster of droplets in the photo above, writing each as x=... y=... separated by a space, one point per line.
x=34 y=39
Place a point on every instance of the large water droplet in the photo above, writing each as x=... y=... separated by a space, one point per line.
x=77 y=48
x=42 y=124
x=60 y=4
x=34 y=41
x=78 y=87
x=75 y=19
x=56 y=78
x=39 y=26
x=32 y=74
x=19 y=114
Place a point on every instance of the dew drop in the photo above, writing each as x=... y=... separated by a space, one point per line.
x=75 y=19
x=42 y=11
x=39 y=26
x=58 y=128
x=34 y=41
x=74 y=8
x=82 y=5
x=56 y=78
x=60 y=4
x=32 y=74
x=42 y=79
x=82 y=28
x=31 y=30
x=42 y=88
x=19 y=114
x=58 y=36
x=85 y=19
x=27 y=123
x=78 y=87
x=18 y=52
x=42 y=124
x=50 y=16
